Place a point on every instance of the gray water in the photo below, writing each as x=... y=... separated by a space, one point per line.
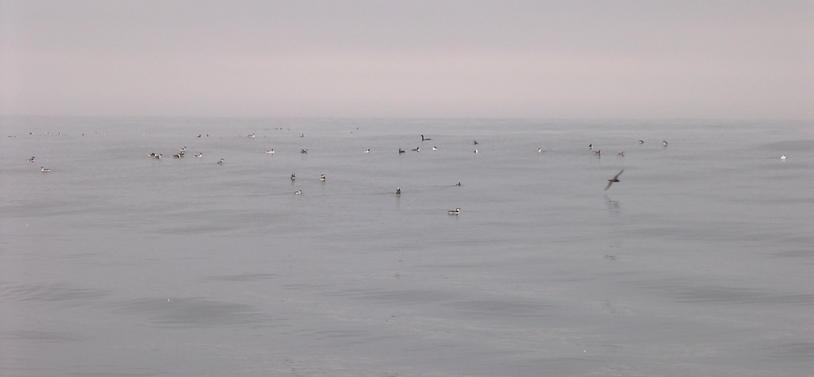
x=699 y=263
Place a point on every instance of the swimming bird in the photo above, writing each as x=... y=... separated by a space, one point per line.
x=598 y=153
x=153 y=155
x=620 y=154
x=475 y=142
x=641 y=141
x=424 y=138
x=539 y=149
x=44 y=170
x=220 y=162
x=367 y=150
x=416 y=149
x=302 y=134
x=434 y=148
x=664 y=143
x=783 y=157
x=298 y=192
x=179 y=155
x=293 y=177
x=251 y=135
x=615 y=179
x=456 y=211
x=322 y=178
x=401 y=151
x=32 y=158
x=270 y=151
x=458 y=184
x=398 y=191
x=199 y=155
x=303 y=151
x=475 y=151
x=590 y=146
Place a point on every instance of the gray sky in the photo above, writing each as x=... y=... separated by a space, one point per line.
x=582 y=59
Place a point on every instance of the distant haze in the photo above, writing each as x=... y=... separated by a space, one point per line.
x=716 y=59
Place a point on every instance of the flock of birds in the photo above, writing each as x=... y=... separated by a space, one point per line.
x=323 y=178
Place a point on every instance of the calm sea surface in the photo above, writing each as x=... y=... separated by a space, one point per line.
x=699 y=263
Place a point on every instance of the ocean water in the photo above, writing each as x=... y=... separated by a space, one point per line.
x=699 y=263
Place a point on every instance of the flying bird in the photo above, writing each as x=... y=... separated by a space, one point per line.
x=615 y=179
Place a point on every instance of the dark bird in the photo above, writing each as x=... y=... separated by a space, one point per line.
x=293 y=177
x=641 y=141
x=303 y=151
x=458 y=184
x=401 y=151
x=398 y=191
x=323 y=178
x=220 y=162
x=475 y=142
x=416 y=149
x=615 y=179
x=32 y=158
x=424 y=138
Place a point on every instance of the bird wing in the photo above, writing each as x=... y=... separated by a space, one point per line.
x=609 y=185
x=618 y=174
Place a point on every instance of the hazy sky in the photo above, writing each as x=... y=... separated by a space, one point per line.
x=415 y=58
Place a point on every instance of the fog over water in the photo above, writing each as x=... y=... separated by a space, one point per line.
x=114 y=264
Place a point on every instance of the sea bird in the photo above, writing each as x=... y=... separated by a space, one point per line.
x=456 y=211
x=615 y=179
